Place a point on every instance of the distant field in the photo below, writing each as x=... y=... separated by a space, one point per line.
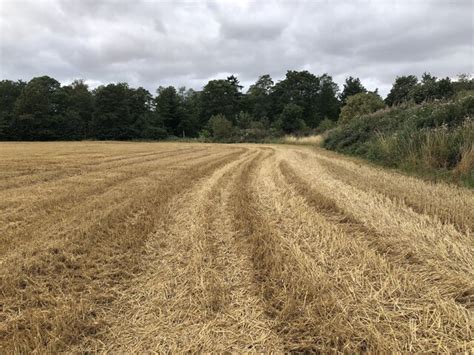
x=134 y=247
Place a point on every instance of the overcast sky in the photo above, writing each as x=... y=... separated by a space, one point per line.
x=152 y=43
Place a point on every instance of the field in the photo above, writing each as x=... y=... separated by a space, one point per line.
x=133 y=247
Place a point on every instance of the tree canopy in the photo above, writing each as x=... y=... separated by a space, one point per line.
x=43 y=109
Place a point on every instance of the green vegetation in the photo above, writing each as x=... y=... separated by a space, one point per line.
x=361 y=104
x=42 y=109
x=434 y=138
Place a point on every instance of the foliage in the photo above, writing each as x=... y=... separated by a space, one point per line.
x=316 y=96
x=430 y=88
x=302 y=103
x=220 y=127
x=220 y=97
x=39 y=111
x=401 y=90
x=352 y=86
x=360 y=104
x=258 y=100
x=325 y=125
x=433 y=136
x=291 y=119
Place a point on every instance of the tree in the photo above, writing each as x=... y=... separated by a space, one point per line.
x=167 y=107
x=244 y=119
x=221 y=127
x=112 y=118
x=9 y=93
x=360 y=104
x=328 y=104
x=79 y=109
x=220 y=97
x=352 y=86
x=299 y=88
x=430 y=88
x=291 y=118
x=316 y=96
x=190 y=112
x=401 y=90
x=464 y=83
x=39 y=110
x=445 y=88
x=258 y=100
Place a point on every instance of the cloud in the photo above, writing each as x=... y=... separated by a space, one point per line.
x=151 y=43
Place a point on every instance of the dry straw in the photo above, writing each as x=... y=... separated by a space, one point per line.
x=110 y=247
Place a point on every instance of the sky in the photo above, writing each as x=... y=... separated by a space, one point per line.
x=187 y=43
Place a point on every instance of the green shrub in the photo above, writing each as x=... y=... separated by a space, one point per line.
x=325 y=125
x=435 y=136
x=360 y=104
x=220 y=127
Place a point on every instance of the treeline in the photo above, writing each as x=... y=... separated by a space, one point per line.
x=302 y=102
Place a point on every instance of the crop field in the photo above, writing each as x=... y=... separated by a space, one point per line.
x=172 y=247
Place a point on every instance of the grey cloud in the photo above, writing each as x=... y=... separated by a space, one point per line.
x=152 y=43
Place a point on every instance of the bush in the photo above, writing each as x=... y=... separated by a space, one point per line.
x=325 y=125
x=435 y=136
x=220 y=127
x=151 y=132
x=360 y=104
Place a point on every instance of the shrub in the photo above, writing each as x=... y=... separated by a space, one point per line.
x=220 y=127
x=360 y=104
x=435 y=136
x=151 y=132
x=325 y=125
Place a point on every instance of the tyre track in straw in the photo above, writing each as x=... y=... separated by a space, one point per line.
x=449 y=203
x=326 y=291
x=199 y=293
x=460 y=290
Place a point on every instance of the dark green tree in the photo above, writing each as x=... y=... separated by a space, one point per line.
x=39 y=112
x=9 y=93
x=257 y=100
x=79 y=109
x=112 y=118
x=401 y=90
x=328 y=104
x=167 y=106
x=430 y=88
x=464 y=83
x=291 y=118
x=190 y=112
x=302 y=89
x=351 y=87
x=220 y=97
x=316 y=96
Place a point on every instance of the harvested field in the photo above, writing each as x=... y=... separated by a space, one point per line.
x=172 y=247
